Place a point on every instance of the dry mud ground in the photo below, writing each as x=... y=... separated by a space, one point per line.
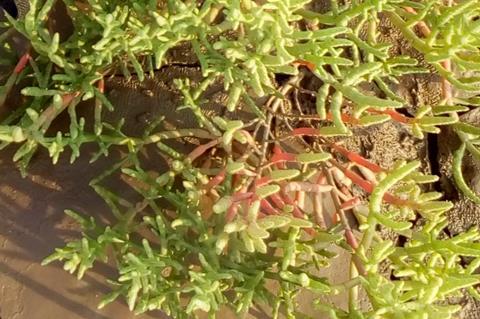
x=33 y=223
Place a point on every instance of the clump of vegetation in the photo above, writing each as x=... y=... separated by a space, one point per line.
x=208 y=234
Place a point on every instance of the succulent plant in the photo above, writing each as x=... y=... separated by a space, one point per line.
x=221 y=233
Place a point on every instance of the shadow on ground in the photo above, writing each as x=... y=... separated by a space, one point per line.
x=32 y=224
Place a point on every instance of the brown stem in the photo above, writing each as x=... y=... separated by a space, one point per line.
x=349 y=236
x=425 y=31
x=274 y=103
x=12 y=79
x=49 y=114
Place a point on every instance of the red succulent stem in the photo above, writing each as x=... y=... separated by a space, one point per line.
x=396 y=116
x=201 y=149
x=22 y=63
x=232 y=211
x=264 y=180
x=277 y=154
x=306 y=131
x=287 y=199
x=309 y=65
x=216 y=180
x=101 y=85
x=357 y=158
x=350 y=237
x=277 y=200
x=266 y=207
x=349 y=204
x=368 y=187
x=279 y=158
x=345 y=118
x=240 y=196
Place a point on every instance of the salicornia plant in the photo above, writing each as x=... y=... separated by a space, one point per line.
x=247 y=228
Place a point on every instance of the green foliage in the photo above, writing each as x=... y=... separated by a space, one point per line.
x=230 y=232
